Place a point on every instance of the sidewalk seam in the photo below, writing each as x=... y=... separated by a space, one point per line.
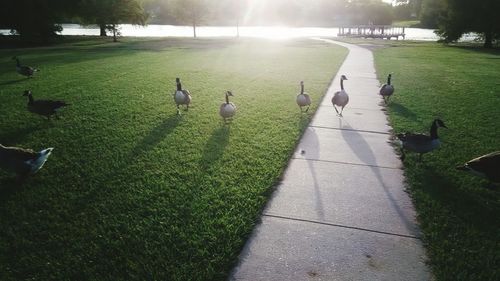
x=347 y=163
x=342 y=226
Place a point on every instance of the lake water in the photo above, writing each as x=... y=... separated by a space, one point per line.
x=272 y=32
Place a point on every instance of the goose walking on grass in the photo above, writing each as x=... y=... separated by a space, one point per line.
x=27 y=71
x=387 y=89
x=181 y=96
x=340 y=98
x=303 y=99
x=45 y=108
x=486 y=166
x=22 y=162
x=227 y=109
x=421 y=143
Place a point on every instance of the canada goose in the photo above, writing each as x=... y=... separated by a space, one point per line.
x=21 y=161
x=387 y=89
x=181 y=96
x=27 y=71
x=421 y=143
x=486 y=166
x=45 y=108
x=303 y=99
x=227 y=109
x=340 y=98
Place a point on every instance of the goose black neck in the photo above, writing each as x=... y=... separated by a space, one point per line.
x=227 y=98
x=179 y=86
x=341 y=84
x=301 y=89
x=434 y=130
x=389 y=80
x=30 y=99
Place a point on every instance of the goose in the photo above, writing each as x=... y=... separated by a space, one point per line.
x=45 y=108
x=303 y=99
x=486 y=166
x=27 y=71
x=23 y=162
x=340 y=98
x=421 y=143
x=387 y=89
x=181 y=96
x=227 y=109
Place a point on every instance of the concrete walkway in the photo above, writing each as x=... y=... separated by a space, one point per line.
x=340 y=212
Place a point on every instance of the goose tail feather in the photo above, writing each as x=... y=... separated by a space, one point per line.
x=37 y=163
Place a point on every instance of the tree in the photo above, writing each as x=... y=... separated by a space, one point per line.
x=369 y=11
x=432 y=13
x=35 y=20
x=108 y=14
x=192 y=12
x=463 y=16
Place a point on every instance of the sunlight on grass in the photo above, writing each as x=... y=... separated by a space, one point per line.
x=457 y=212
x=132 y=190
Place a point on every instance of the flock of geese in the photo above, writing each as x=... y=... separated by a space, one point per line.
x=25 y=162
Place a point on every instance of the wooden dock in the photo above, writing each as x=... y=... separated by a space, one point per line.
x=372 y=31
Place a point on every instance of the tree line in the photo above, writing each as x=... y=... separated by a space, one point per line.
x=39 y=20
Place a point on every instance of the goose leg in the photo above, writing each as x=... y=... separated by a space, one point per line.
x=342 y=110
x=307 y=109
x=178 y=110
x=403 y=155
x=336 y=109
x=187 y=107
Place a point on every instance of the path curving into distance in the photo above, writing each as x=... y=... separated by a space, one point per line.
x=341 y=212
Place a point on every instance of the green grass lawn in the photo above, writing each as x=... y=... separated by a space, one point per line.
x=132 y=191
x=459 y=215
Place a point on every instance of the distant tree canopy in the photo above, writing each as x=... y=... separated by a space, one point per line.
x=35 y=20
x=462 y=16
x=39 y=20
x=432 y=12
x=107 y=14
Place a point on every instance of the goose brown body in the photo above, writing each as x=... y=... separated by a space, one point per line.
x=181 y=96
x=487 y=166
x=45 y=108
x=27 y=71
x=340 y=98
x=303 y=99
x=387 y=89
x=22 y=161
x=227 y=109
x=421 y=143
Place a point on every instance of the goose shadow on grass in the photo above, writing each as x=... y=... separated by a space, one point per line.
x=360 y=147
x=9 y=185
x=402 y=110
x=214 y=149
x=155 y=136
x=10 y=82
x=14 y=137
x=148 y=142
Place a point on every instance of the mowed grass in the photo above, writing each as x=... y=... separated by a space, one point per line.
x=132 y=191
x=458 y=213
